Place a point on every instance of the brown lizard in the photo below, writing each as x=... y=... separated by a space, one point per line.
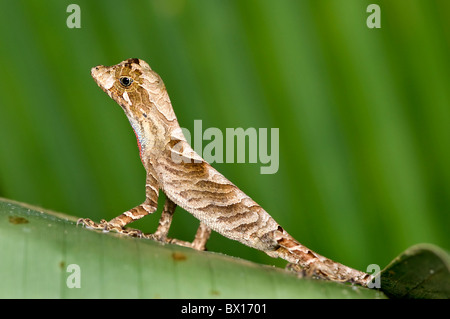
x=191 y=183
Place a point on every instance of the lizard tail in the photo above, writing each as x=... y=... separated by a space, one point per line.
x=311 y=264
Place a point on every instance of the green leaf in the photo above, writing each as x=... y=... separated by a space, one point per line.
x=422 y=271
x=40 y=248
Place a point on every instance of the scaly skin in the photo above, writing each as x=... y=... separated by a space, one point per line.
x=190 y=182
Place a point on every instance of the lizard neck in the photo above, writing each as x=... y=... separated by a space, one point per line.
x=153 y=132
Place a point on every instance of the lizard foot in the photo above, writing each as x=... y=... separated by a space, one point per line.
x=299 y=271
x=157 y=237
x=167 y=240
x=193 y=245
x=106 y=227
x=199 y=242
x=313 y=272
x=88 y=223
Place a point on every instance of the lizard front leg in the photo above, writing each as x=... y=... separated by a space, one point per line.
x=118 y=223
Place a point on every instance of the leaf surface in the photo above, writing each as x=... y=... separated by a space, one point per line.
x=38 y=248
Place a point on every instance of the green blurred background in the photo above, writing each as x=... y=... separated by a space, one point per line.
x=364 y=114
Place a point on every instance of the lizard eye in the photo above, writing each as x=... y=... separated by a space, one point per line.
x=125 y=81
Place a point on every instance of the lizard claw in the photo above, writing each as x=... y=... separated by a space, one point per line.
x=88 y=223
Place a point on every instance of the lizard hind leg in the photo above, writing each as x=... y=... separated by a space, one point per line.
x=165 y=221
x=201 y=237
x=199 y=242
x=161 y=233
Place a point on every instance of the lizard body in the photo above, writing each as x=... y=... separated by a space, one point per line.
x=191 y=183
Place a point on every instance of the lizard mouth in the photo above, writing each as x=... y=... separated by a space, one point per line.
x=104 y=77
x=95 y=71
x=99 y=73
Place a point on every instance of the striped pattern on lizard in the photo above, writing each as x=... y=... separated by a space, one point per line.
x=190 y=182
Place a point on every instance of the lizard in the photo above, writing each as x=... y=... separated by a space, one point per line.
x=188 y=181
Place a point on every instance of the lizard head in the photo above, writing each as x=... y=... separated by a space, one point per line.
x=135 y=87
x=141 y=93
